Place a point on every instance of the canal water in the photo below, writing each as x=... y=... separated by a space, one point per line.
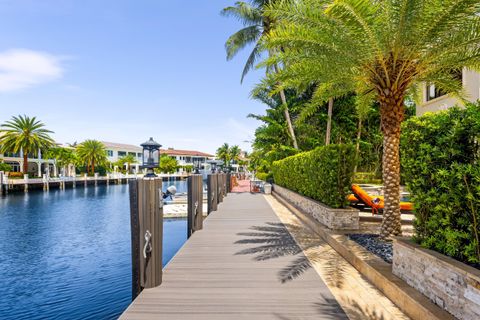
x=66 y=254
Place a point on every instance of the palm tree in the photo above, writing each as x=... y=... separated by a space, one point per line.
x=24 y=134
x=223 y=153
x=385 y=48
x=126 y=162
x=235 y=153
x=91 y=153
x=256 y=27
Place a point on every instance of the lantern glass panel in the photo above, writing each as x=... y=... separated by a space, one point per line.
x=156 y=157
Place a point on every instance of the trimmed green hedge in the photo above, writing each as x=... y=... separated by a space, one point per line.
x=324 y=174
x=439 y=154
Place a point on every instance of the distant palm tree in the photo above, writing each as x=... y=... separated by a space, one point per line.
x=24 y=134
x=257 y=27
x=91 y=153
x=235 y=153
x=223 y=153
x=126 y=162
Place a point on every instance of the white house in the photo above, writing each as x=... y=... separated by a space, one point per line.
x=435 y=100
x=36 y=164
x=116 y=151
x=188 y=157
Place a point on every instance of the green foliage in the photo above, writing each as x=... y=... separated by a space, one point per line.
x=5 y=167
x=24 y=133
x=440 y=167
x=91 y=153
x=168 y=164
x=188 y=168
x=128 y=159
x=324 y=174
x=63 y=156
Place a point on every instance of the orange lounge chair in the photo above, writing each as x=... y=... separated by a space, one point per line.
x=374 y=202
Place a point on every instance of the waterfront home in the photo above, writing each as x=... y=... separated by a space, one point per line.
x=37 y=165
x=434 y=99
x=115 y=151
x=188 y=158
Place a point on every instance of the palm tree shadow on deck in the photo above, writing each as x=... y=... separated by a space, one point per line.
x=275 y=240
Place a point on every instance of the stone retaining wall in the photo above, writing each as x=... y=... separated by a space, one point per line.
x=336 y=219
x=452 y=285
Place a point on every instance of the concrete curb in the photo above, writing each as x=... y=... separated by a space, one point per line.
x=378 y=272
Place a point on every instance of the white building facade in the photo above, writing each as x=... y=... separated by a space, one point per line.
x=434 y=100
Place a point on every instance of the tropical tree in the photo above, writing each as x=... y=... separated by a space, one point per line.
x=91 y=153
x=168 y=164
x=383 y=48
x=5 y=166
x=223 y=153
x=235 y=153
x=126 y=162
x=256 y=27
x=25 y=134
x=62 y=156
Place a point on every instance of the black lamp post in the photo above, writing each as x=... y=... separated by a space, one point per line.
x=150 y=157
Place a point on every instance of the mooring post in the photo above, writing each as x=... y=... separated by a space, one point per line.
x=146 y=220
x=212 y=202
x=229 y=182
x=85 y=180
x=195 y=204
x=219 y=188
x=224 y=185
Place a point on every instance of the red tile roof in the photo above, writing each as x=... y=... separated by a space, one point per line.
x=192 y=153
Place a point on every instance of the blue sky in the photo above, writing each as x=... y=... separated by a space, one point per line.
x=125 y=70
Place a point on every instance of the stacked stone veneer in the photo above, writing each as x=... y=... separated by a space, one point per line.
x=452 y=285
x=336 y=219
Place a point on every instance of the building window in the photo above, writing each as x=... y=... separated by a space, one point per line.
x=132 y=154
x=11 y=155
x=110 y=153
x=432 y=92
x=139 y=155
x=122 y=153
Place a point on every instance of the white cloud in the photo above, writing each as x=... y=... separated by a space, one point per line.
x=20 y=69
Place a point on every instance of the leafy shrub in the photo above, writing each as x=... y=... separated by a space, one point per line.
x=15 y=175
x=324 y=174
x=264 y=176
x=5 y=167
x=439 y=155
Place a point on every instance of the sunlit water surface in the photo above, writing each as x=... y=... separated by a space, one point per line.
x=66 y=254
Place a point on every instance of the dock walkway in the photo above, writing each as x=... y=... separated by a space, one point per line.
x=237 y=268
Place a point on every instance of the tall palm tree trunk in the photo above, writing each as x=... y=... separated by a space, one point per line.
x=329 y=121
x=25 y=163
x=287 y=113
x=93 y=167
x=391 y=112
x=357 y=145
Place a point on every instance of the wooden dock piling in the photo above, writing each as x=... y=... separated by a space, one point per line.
x=212 y=190
x=146 y=218
x=195 y=204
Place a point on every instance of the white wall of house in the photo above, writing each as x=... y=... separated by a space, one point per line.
x=36 y=165
x=471 y=85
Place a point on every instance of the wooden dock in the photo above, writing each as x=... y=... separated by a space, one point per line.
x=235 y=268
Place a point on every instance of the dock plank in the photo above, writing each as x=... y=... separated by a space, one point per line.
x=231 y=270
